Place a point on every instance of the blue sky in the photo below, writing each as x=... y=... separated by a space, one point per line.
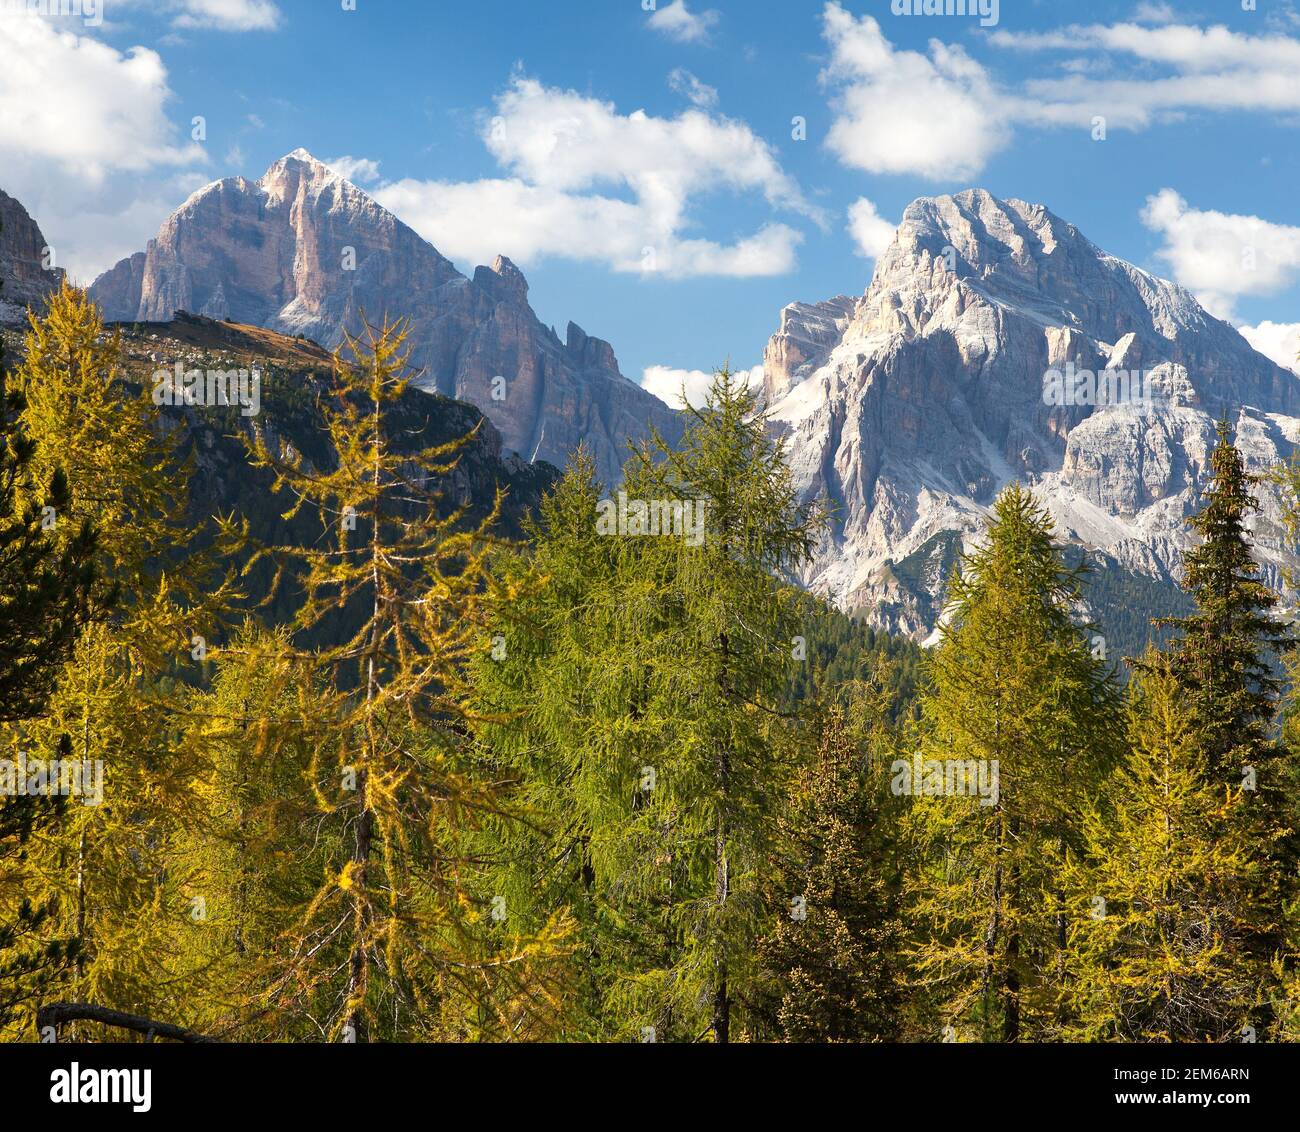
x=1195 y=179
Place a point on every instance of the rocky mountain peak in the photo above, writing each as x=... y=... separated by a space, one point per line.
x=302 y=157
x=589 y=353
x=298 y=163
x=503 y=280
x=1019 y=255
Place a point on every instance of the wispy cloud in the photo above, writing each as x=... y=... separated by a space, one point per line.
x=228 y=15
x=1150 y=12
x=689 y=87
x=358 y=170
x=678 y=22
x=1207 y=69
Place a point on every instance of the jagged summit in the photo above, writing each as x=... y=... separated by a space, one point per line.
x=1025 y=256
x=300 y=160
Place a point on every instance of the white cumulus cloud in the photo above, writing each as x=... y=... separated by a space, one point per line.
x=585 y=182
x=85 y=141
x=105 y=112
x=669 y=384
x=1222 y=256
x=937 y=115
x=1279 y=341
x=358 y=170
x=871 y=232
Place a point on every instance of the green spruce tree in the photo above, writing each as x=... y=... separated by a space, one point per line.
x=1224 y=655
x=714 y=628
x=547 y=694
x=1225 y=658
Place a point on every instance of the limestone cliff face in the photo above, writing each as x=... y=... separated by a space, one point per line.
x=912 y=410
x=304 y=251
x=26 y=280
x=118 y=290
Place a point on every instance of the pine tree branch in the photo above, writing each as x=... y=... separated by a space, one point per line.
x=56 y=1013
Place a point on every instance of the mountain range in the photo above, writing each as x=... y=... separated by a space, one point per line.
x=909 y=408
x=304 y=251
x=906 y=409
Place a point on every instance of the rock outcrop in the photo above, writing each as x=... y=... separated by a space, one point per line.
x=807 y=334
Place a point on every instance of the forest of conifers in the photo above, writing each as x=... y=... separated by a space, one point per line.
x=415 y=780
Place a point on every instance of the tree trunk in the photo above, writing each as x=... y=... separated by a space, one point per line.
x=357 y=963
x=721 y=1003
